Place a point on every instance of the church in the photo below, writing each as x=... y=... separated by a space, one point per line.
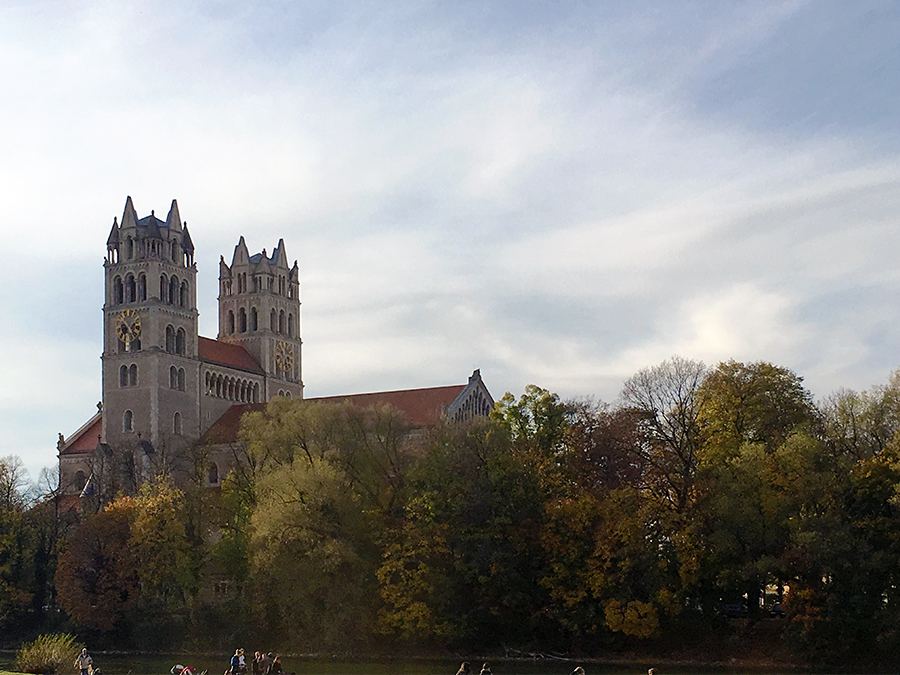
x=167 y=389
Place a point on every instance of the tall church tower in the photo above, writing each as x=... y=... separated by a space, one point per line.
x=150 y=340
x=259 y=309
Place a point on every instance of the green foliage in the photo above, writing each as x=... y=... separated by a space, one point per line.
x=48 y=654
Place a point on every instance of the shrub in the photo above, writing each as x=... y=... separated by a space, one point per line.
x=48 y=654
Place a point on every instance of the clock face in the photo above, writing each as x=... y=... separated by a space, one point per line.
x=128 y=326
x=284 y=356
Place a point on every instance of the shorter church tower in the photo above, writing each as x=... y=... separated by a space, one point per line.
x=259 y=309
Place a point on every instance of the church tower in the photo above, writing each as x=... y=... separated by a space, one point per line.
x=150 y=338
x=259 y=309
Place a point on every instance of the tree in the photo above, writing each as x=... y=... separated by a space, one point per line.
x=665 y=398
x=97 y=579
x=752 y=403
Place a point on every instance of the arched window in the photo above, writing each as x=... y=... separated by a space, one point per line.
x=242 y=320
x=208 y=381
x=230 y=322
x=142 y=288
x=281 y=322
x=253 y=323
x=79 y=481
x=163 y=288
x=130 y=289
x=219 y=386
x=175 y=251
x=179 y=342
x=212 y=473
x=123 y=376
x=181 y=379
x=273 y=322
x=128 y=421
x=118 y=291
x=287 y=394
x=170 y=339
x=291 y=325
x=173 y=290
x=132 y=375
x=129 y=248
x=173 y=377
x=183 y=299
x=256 y=393
x=176 y=424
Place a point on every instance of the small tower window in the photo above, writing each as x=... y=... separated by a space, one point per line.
x=118 y=291
x=123 y=376
x=163 y=288
x=176 y=424
x=242 y=316
x=281 y=322
x=132 y=375
x=212 y=473
x=175 y=251
x=129 y=248
x=128 y=421
x=230 y=322
x=273 y=322
x=170 y=339
x=142 y=288
x=173 y=291
x=179 y=341
x=130 y=289
x=291 y=325
x=173 y=377
x=181 y=379
x=183 y=299
x=253 y=321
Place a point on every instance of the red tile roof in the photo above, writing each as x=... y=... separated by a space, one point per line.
x=225 y=429
x=224 y=354
x=421 y=407
x=86 y=438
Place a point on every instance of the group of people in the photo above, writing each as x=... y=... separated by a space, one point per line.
x=466 y=669
x=263 y=663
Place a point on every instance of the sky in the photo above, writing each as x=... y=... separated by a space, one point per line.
x=558 y=194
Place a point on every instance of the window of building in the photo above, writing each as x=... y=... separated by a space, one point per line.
x=181 y=379
x=176 y=424
x=128 y=421
x=212 y=473
x=173 y=290
x=242 y=320
x=132 y=375
x=163 y=288
x=79 y=481
x=123 y=376
x=230 y=322
x=179 y=342
x=170 y=339
x=173 y=377
x=142 y=288
x=118 y=291
x=183 y=298
x=281 y=322
x=291 y=325
x=253 y=322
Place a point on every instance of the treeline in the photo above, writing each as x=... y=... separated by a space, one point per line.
x=554 y=526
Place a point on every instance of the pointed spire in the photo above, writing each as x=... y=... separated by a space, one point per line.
x=280 y=254
x=240 y=252
x=186 y=244
x=112 y=241
x=129 y=217
x=173 y=220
